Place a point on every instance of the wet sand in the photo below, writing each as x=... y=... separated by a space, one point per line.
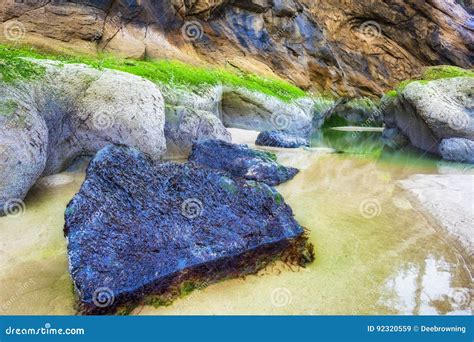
x=376 y=253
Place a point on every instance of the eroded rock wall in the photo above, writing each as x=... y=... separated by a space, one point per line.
x=343 y=46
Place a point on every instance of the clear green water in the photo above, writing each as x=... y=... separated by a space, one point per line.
x=376 y=253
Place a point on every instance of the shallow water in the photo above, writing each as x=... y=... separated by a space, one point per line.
x=376 y=253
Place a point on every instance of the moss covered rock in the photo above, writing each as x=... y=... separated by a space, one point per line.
x=70 y=110
x=428 y=112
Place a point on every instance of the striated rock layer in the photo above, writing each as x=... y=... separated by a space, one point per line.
x=137 y=229
x=348 y=47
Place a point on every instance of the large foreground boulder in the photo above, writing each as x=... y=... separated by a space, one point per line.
x=71 y=110
x=280 y=139
x=241 y=161
x=428 y=113
x=136 y=228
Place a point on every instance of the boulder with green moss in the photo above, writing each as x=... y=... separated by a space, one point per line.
x=428 y=112
x=246 y=109
x=56 y=112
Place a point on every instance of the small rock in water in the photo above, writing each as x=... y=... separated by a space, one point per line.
x=457 y=149
x=241 y=161
x=280 y=139
x=136 y=229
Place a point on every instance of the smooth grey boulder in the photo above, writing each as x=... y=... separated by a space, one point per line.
x=206 y=98
x=184 y=126
x=72 y=110
x=457 y=149
x=446 y=106
x=23 y=143
x=245 y=109
x=429 y=112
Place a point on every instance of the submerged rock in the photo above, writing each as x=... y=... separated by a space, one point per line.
x=136 y=228
x=280 y=139
x=241 y=161
x=457 y=149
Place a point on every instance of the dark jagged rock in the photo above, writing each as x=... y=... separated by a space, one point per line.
x=280 y=139
x=241 y=161
x=136 y=229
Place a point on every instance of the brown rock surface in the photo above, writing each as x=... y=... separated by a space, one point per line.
x=344 y=46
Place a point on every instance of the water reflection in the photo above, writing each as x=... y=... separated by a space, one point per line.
x=350 y=140
x=384 y=261
x=426 y=289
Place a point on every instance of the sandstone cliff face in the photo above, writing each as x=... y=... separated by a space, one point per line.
x=342 y=46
